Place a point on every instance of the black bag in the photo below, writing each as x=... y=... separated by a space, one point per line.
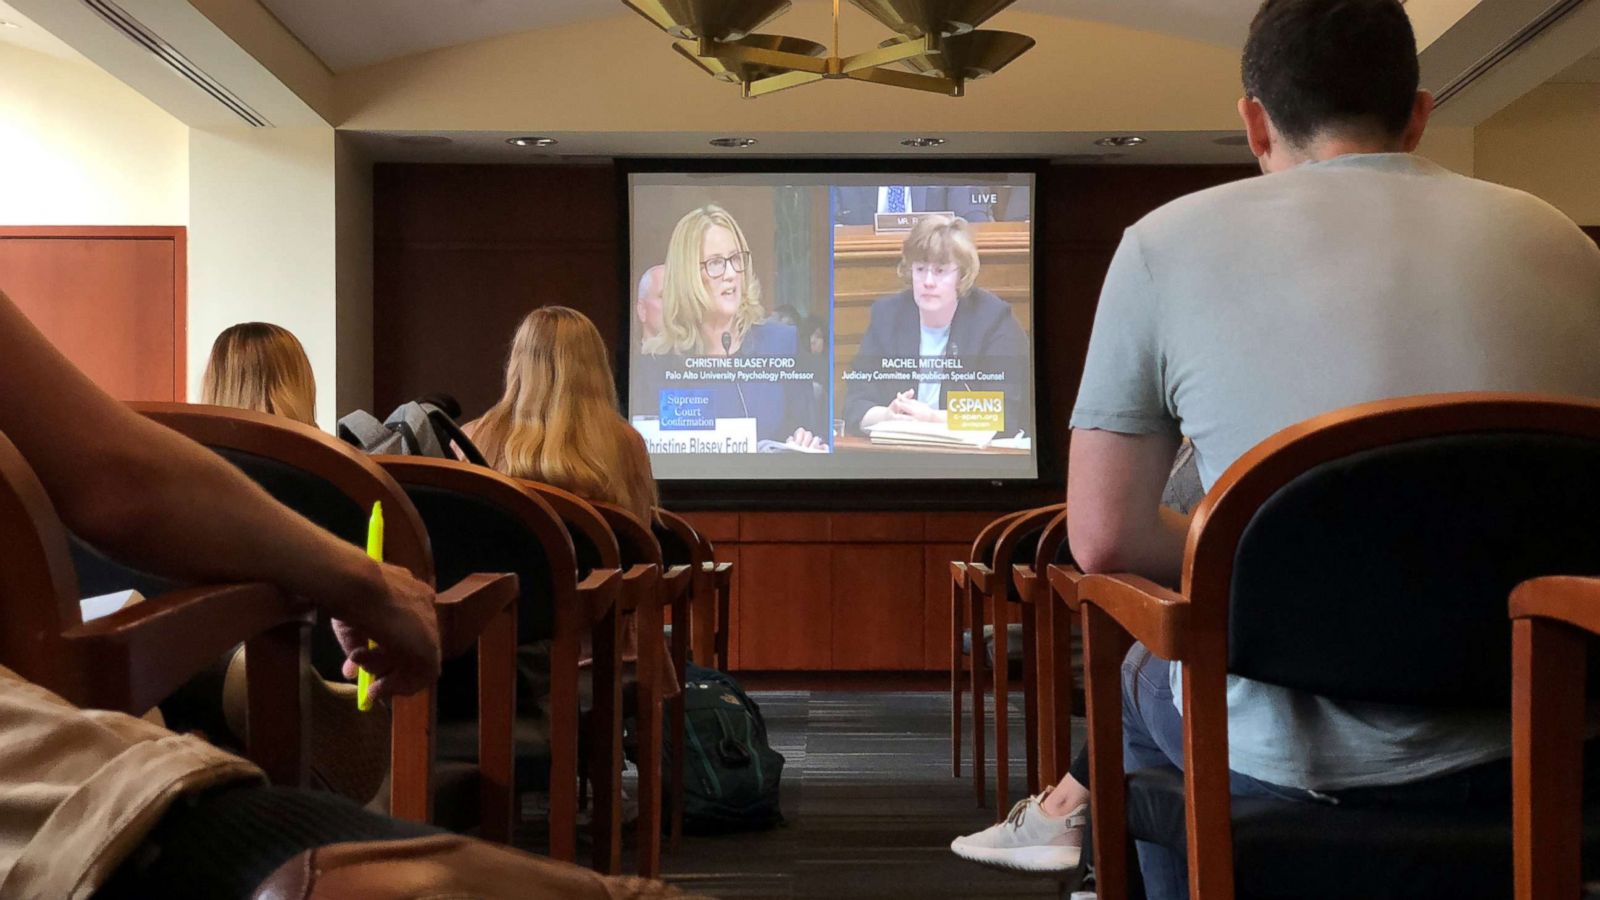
x=730 y=772
x=418 y=428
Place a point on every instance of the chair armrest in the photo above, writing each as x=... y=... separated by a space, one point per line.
x=600 y=592
x=466 y=609
x=640 y=586
x=1153 y=615
x=1571 y=599
x=677 y=580
x=148 y=650
x=958 y=573
x=981 y=578
x=1027 y=583
x=1064 y=581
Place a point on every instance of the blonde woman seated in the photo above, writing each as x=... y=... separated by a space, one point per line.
x=559 y=421
x=263 y=367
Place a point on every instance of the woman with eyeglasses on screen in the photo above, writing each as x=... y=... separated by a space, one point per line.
x=710 y=307
x=942 y=316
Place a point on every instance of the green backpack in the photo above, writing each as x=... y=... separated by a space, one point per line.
x=730 y=772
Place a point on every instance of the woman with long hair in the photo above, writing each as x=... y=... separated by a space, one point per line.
x=711 y=306
x=558 y=420
x=260 y=366
x=263 y=367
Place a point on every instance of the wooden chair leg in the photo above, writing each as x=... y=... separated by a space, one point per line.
x=497 y=714
x=275 y=698
x=1000 y=611
x=564 y=763
x=1547 y=713
x=703 y=620
x=1044 y=699
x=605 y=746
x=647 y=828
x=1030 y=699
x=675 y=725
x=411 y=757
x=1105 y=644
x=976 y=667
x=1064 y=684
x=956 y=610
x=724 y=621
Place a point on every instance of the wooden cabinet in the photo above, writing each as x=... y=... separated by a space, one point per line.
x=840 y=592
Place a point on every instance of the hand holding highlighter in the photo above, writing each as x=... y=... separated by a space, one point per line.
x=375 y=551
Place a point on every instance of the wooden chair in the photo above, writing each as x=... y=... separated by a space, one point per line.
x=992 y=583
x=1362 y=556
x=597 y=550
x=1554 y=623
x=132 y=659
x=1054 y=697
x=480 y=520
x=965 y=622
x=693 y=614
x=335 y=486
x=639 y=547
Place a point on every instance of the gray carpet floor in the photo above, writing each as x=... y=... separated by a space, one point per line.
x=871 y=808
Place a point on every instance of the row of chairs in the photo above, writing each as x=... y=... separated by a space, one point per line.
x=1366 y=556
x=515 y=562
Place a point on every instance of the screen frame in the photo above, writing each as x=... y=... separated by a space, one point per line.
x=731 y=494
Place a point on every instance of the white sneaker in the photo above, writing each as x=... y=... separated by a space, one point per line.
x=1028 y=840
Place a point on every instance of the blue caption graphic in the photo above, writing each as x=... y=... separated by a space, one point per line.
x=686 y=411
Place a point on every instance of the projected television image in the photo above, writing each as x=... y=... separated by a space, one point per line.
x=833 y=327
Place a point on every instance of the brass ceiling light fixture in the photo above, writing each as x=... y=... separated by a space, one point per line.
x=938 y=48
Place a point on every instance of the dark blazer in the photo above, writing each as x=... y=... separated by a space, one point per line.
x=778 y=407
x=858 y=205
x=984 y=335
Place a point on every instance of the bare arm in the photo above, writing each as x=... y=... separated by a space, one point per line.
x=1115 y=521
x=151 y=497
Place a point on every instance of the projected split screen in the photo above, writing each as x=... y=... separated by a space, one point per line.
x=805 y=326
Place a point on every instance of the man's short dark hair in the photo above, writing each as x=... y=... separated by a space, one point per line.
x=1339 y=65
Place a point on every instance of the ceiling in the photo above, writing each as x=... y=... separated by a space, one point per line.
x=1186 y=147
x=20 y=31
x=1586 y=71
x=350 y=34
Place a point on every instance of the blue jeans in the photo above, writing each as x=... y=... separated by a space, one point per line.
x=1152 y=735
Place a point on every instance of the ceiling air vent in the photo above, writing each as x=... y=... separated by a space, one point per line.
x=118 y=18
x=1523 y=36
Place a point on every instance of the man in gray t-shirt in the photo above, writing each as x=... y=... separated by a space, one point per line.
x=1353 y=271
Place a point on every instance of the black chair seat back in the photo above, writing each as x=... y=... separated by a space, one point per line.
x=1383 y=575
x=472 y=534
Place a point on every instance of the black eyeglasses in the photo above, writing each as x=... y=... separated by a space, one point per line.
x=716 y=265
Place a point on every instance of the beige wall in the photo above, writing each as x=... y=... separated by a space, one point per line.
x=1548 y=143
x=353 y=264
x=78 y=147
x=1450 y=146
x=620 y=74
x=262 y=243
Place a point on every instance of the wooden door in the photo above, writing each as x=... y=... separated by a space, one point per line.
x=111 y=299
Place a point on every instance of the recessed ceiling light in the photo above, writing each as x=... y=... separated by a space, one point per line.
x=4 y=24
x=923 y=142
x=733 y=142
x=1120 y=140
x=531 y=142
x=423 y=139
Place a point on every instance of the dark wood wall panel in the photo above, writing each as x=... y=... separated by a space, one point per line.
x=877 y=609
x=462 y=253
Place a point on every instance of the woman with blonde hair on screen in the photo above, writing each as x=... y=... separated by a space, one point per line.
x=711 y=306
x=260 y=366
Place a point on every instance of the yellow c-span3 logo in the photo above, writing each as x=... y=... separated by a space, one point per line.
x=976 y=411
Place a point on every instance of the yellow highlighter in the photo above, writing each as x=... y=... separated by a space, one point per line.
x=374 y=550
